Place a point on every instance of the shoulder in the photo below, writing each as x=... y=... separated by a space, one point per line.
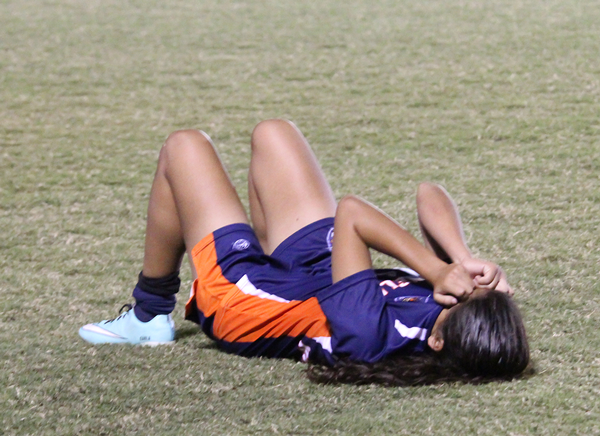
x=371 y=318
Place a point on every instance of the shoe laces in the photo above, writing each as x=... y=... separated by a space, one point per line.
x=121 y=315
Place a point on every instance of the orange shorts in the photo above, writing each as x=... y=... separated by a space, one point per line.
x=244 y=299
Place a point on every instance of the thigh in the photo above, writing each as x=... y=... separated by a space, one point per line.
x=204 y=196
x=287 y=188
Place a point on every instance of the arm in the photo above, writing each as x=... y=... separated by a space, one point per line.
x=443 y=233
x=360 y=226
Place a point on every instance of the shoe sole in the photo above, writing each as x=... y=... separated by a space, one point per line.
x=155 y=344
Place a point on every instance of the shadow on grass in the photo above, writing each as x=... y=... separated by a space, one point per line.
x=185 y=332
x=189 y=331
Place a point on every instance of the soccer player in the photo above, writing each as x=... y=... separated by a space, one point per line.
x=300 y=283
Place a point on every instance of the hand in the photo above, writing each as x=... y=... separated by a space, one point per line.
x=452 y=284
x=487 y=275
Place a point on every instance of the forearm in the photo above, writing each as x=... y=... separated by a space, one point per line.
x=360 y=226
x=442 y=229
x=440 y=222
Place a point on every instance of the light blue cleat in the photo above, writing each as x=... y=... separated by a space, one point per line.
x=127 y=329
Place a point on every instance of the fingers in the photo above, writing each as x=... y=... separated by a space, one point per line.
x=482 y=271
x=460 y=285
x=445 y=300
x=503 y=286
x=492 y=274
x=487 y=275
x=496 y=281
x=454 y=284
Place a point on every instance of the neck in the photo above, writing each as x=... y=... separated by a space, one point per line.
x=439 y=321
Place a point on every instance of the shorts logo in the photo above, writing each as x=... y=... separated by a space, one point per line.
x=241 y=245
x=329 y=239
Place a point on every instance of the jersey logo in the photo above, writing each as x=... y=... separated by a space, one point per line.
x=410 y=332
x=412 y=299
x=241 y=245
x=329 y=239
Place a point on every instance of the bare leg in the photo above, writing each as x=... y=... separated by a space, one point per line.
x=257 y=215
x=287 y=188
x=191 y=196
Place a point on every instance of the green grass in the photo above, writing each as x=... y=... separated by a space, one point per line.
x=498 y=100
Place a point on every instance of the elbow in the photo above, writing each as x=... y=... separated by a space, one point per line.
x=347 y=211
x=426 y=191
x=348 y=206
x=426 y=188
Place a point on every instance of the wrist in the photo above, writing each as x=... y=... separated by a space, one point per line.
x=435 y=271
x=461 y=257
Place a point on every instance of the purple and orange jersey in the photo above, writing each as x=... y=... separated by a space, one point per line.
x=285 y=305
x=371 y=318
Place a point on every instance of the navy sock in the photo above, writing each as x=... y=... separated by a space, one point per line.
x=155 y=296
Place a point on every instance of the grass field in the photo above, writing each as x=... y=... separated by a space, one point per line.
x=496 y=99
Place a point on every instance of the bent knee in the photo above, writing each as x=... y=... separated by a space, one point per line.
x=187 y=137
x=184 y=143
x=180 y=140
x=266 y=132
x=272 y=125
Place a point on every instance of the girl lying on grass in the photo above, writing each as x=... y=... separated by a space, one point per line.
x=291 y=287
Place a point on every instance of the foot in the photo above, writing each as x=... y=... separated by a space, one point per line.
x=127 y=329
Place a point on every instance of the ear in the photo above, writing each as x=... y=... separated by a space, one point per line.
x=435 y=343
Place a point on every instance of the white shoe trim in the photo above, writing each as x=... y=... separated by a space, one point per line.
x=99 y=330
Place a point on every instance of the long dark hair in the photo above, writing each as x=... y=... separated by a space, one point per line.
x=484 y=340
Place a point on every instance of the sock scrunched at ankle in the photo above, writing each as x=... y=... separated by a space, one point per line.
x=164 y=286
x=155 y=296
